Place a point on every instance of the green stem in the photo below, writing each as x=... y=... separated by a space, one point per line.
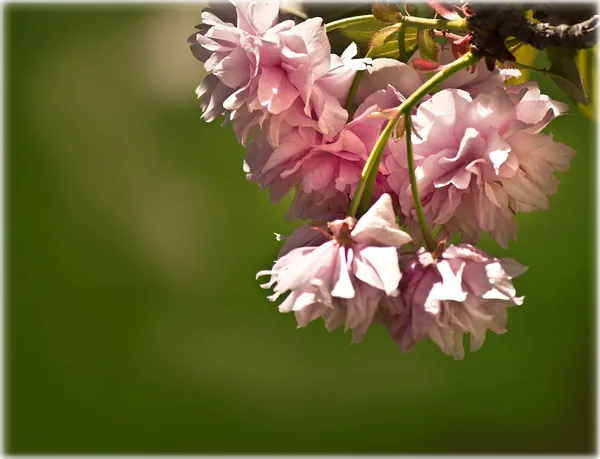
x=466 y=60
x=367 y=179
x=341 y=23
x=461 y=25
x=429 y=240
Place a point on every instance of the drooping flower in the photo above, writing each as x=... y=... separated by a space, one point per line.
x=480 y=160
x=261 y=67
x=459 y=290
x=344 y=279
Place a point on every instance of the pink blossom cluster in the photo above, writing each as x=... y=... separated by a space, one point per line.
x=461 y=290
x=346 y=277
x=480 y=160
x=479 y=154
x=280 y=76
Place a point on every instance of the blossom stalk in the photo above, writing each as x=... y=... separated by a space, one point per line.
x=362 y=196
x=458 y=25
x=429 y=241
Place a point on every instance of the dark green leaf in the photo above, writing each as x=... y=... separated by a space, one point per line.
x=565 y=74
x=361 y=32
x=390 y=48
x=428 y=48
x=381 y=37
x=384 y=13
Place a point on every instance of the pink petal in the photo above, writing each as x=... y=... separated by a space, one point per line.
x=343 y=286
x=332 y=117
x=385 y=71
x=379 y=225
x=384 y=261
x=318 y=177
x=275 y=92
x=233 y=70
x=512 y=267
x=522 y=189
x=313 y=34
x=265 y=14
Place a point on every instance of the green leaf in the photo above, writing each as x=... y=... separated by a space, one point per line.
x=390 y=48
x=384 y=13
x=361 y=31
x=565 y=73
x=567 y=77
x=586 y=63
x=428 y=48
x=381 y=37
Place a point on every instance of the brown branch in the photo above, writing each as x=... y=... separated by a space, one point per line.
x=492 y=24
x=543 y=35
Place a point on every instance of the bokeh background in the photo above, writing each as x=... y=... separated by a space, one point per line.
x=133 y=320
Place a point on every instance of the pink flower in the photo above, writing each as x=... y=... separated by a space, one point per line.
x=344 y=279
x=480 y=160
x=308 y=206
x=312 y=234
x=461 y=290
x=386 y=83
x=324 y=173
x=262 y=68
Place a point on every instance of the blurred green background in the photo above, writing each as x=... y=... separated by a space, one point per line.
x=134 y=322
